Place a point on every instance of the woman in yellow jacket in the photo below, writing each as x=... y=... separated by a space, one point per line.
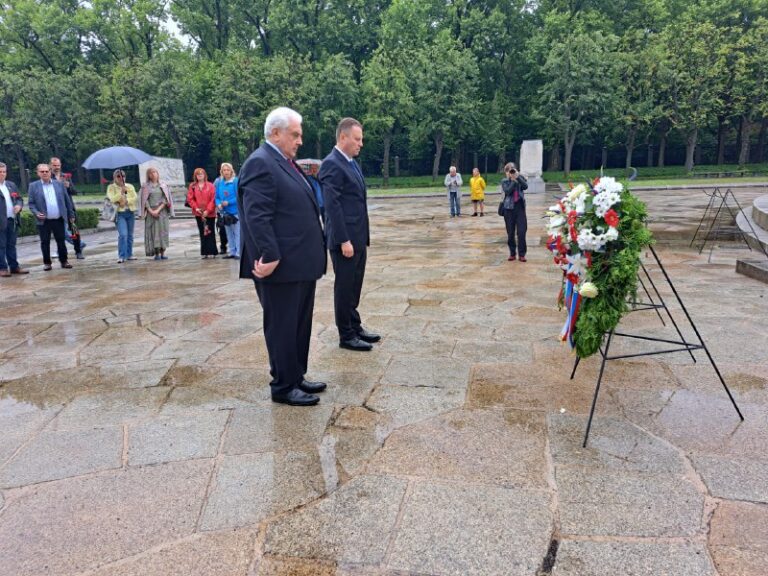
x=477 y=191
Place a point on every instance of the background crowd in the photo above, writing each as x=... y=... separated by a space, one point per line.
x=602 y=82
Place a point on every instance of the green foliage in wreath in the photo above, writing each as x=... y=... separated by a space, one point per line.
x=614 y=272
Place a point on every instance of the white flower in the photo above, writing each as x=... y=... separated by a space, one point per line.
x=590 y=241
x=577 y=264
x=611 y=235
x=604 y=201
x=588 y=290
x=608 y=184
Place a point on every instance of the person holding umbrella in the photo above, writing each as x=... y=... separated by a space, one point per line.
x=125 y=199
x=201 y=198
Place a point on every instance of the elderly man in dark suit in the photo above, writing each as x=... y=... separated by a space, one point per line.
x=51 y=205
x=11 y=204
x=346 y=221
x=283 y=251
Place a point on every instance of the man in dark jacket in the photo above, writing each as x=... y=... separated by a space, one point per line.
x=283 y=252
x=66 y=181
x=11 y=204
x=346 y=221
x=51 y=206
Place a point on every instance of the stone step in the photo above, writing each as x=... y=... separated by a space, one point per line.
x=757 y=269
x=756 y=233
x=760 y=212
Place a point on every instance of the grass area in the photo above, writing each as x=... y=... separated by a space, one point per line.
x=666 y=173
x=706 y=182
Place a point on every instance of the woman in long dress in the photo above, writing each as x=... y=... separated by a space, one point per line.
x=156 y=209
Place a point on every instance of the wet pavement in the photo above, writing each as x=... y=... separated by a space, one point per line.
x=137 y=435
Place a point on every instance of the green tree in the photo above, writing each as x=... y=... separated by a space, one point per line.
x=388 y=101
x=445 y=85
x=580 y=85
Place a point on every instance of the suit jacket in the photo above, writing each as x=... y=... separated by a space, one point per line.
x=279 y=219
x=346 y=204
x=16 y=200
x=37 y=204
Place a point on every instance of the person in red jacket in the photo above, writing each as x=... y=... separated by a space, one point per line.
x=201 y=197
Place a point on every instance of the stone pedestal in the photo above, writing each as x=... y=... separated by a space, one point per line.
x=531 y=164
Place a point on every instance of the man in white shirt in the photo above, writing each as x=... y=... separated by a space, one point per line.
x=51 y=205
x=66 y=181
x=11 y=204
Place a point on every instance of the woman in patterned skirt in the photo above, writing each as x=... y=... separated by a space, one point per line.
x=156 y=209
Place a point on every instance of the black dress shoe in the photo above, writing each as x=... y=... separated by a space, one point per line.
x=66 y=265
x=312 y=387
x=356 y=344
x=369 y=337
x=296 y=398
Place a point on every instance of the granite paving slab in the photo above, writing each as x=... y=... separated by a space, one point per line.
x=109 y=408
x=176 y=437
x=504 y=447
x=56 y=455
x=472 y=530
x=576 y=558
x=227 y=553
x=405 y=405
x=621 y=503
x=352 y=524
x=269 y=429
x=249 y=488
x=734 y=478
x=103 y=518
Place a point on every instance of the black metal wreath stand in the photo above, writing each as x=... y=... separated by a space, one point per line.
x=678 y=345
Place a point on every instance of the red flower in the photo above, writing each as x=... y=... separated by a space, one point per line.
x=596 y=181
x=15 y=195
x=68 y=175
x=611 y=218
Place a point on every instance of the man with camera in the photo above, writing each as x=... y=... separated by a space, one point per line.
x=513 y=210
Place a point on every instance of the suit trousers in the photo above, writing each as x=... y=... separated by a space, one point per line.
x=8 y=246
x=288 y=308
x=516 y=222
x=347 y=286
x=57 y=228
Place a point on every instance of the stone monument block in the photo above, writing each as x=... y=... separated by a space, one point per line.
x=171 y=171
x=532 y=163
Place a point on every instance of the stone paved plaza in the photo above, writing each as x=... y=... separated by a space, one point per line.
x=137 y=436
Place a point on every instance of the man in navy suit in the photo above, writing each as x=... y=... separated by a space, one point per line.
x=51 y=205
x=346 y=222
x=11 y=204
x=283 y=251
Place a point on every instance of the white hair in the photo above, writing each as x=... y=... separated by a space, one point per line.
x=280 y=118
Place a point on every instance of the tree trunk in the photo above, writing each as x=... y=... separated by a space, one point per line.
x=568 y=141
x=746 y=136
x=385 y=166
x=237 y=160
x=630 y=147
x=690 y=148
x=438 y=139
x=23 y=176
x=761 y=140
x=318 y=146
x=554 y=159
x=722 y=133
x=502 y=161
x=604 y=158
x=662 y=149
x=649 y=160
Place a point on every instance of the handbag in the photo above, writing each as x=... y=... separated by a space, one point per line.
x=108 y=210
x=501 y=208
x=228 y=219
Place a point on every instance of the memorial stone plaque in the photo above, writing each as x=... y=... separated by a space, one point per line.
x=532 y=163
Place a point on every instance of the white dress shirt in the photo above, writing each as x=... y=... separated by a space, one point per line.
x=51 y=205
x=8 y=203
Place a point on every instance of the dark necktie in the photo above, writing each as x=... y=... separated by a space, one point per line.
x=299 y=172
x=357 y=171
